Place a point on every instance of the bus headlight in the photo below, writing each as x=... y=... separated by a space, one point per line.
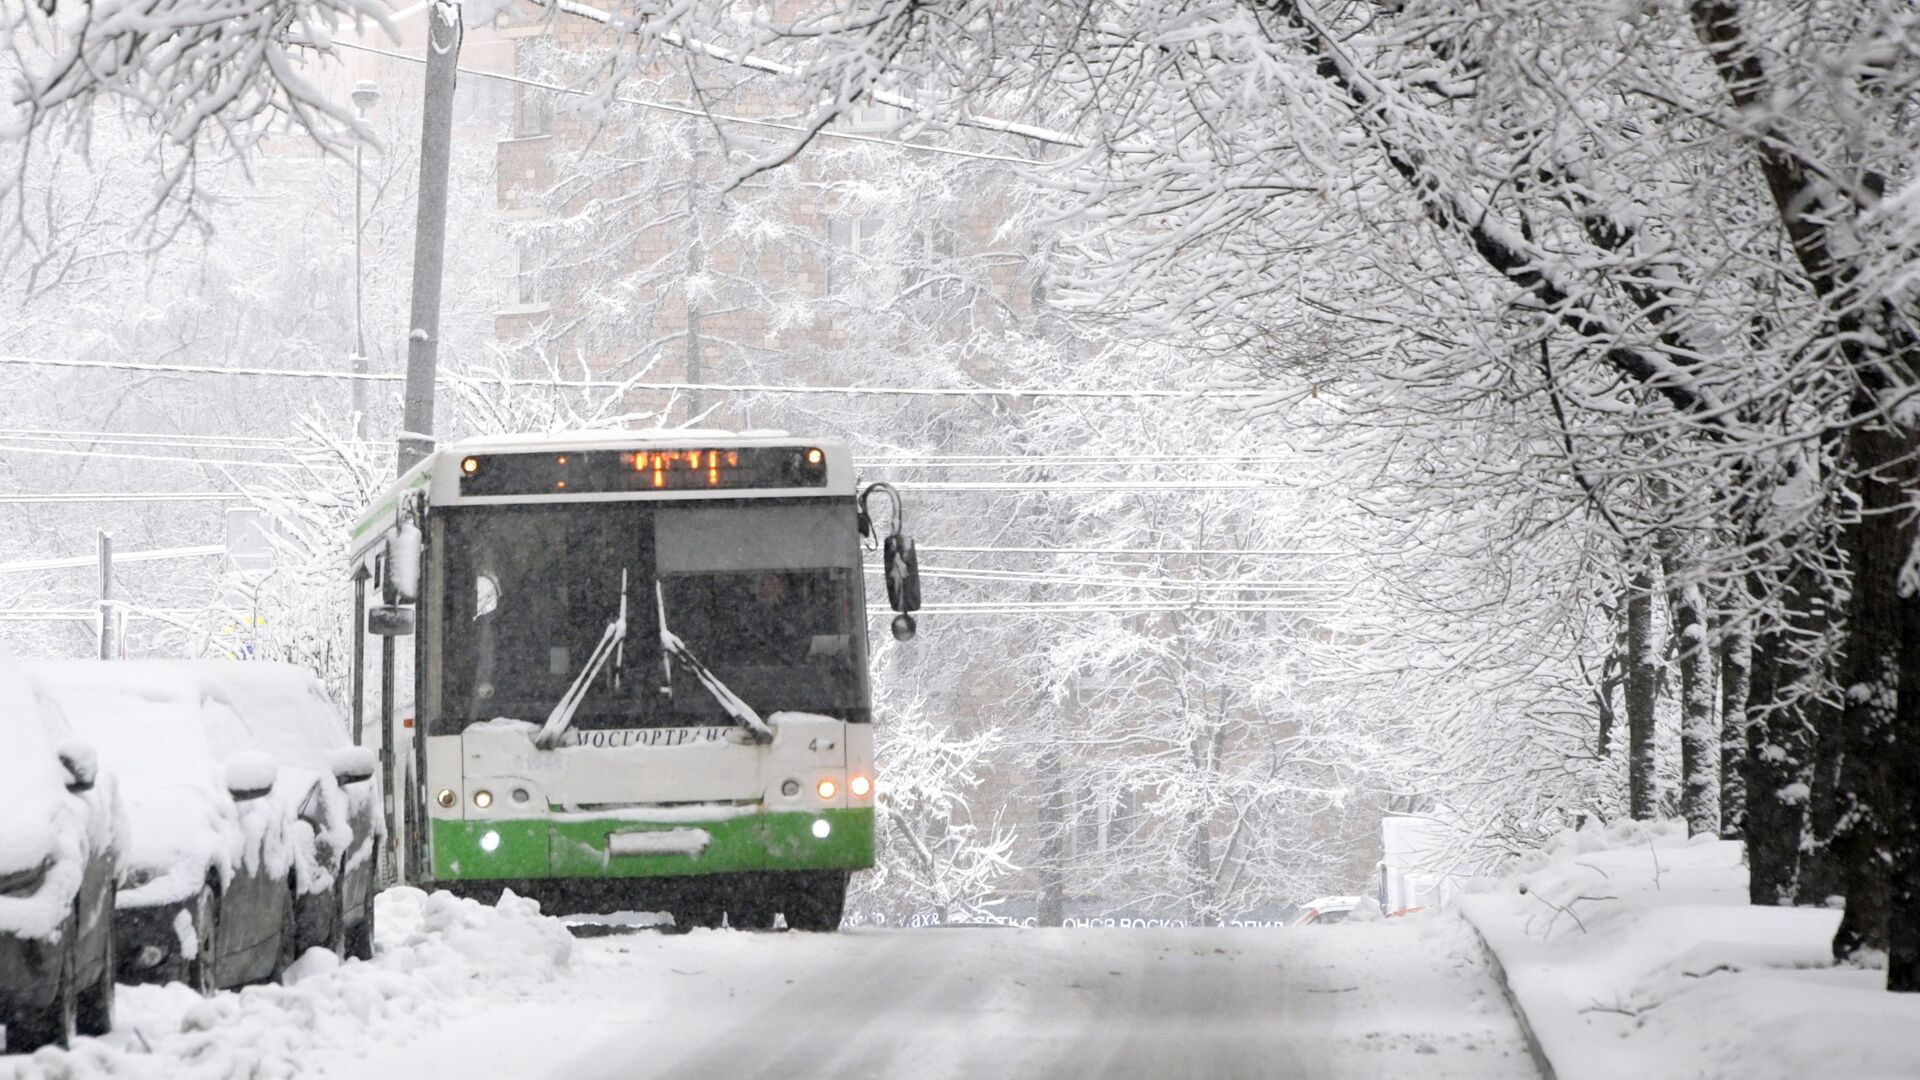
x=822 y=828
x=490 y=842
x=445 y=799
x=827 y=788
x=860 y=786
x=483 y=798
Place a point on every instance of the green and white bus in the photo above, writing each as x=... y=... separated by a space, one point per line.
x=638 y=673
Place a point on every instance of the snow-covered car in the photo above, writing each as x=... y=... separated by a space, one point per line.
x=254 y=818
x=1326 y=911
x=60 y=840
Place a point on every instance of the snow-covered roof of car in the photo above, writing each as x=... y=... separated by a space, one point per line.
x=167 y=729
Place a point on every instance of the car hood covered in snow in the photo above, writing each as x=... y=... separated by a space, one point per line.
x=45 y=825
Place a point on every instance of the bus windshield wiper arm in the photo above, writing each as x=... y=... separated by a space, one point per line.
x=561 y=718
x=742 y=713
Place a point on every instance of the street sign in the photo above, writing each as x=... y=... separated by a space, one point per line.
x=249 y=548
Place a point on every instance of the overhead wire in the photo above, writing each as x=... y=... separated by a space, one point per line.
x=6 y=447
x=1142 y=393
x=1122 y=581
x=143 y=438
x=916 y=461
x=75 y=561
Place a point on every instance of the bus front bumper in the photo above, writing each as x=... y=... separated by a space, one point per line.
x=535 y=848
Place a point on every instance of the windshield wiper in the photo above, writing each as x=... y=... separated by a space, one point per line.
x=742 y=713
x=614 y=638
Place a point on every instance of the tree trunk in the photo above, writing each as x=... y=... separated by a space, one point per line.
x=1821 y=875
x=1052 y=871
x=1206 y=760
x=1903 y=762
x=1858 y=834
x=1736 y=675
x=1642 y=670
x=1777 y=733
x=1699 y=736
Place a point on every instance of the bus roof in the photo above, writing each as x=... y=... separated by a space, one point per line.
x=442 y=484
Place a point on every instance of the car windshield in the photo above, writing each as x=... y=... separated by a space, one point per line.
x=766 y=596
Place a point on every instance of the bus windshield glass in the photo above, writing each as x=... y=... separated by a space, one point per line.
x=766 y=595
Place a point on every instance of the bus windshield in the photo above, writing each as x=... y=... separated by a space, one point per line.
x=766 y=595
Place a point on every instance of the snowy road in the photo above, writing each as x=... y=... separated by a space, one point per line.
x=1399 y=1001
x=474 y=992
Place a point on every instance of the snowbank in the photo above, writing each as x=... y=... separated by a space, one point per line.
x=439 y=958
x=1632 y=951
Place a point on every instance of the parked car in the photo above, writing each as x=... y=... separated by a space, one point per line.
x=329 y=784
x=254 y=820
x=1326 y=911
x=60 y=841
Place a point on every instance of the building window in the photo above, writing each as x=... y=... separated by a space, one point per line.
x=529 y=285
x=533 y=112
x=869 y=116
x=930 y=251
x=849 y=241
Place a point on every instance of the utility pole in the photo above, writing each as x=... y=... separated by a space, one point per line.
x=109 y=618
x=365 y=96
x=696 y=262
x=430 y=232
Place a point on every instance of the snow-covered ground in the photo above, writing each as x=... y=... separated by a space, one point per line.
x=1633 y=952
x=466 y=991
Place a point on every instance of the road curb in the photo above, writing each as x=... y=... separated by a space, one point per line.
x=1534 y=1050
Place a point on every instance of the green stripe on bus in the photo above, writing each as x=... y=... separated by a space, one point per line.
x=538 y=848
x=381 y=516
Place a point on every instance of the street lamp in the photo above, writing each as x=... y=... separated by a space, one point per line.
x=365 y=96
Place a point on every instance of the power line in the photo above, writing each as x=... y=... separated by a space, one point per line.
x=143 y=438
x=169 y=458
x=1127 y=551
x=160 y=440
x=121 y=496
x=118 y=558
x=1077 y=607
x=961 y=461
x=1086 y=485
x=905 y=485
x=895 y=458
x=1124 y=582
x=1196 y=394
x=90 y=614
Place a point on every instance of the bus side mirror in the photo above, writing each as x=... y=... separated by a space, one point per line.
x=390 y=620
x=901 y=559
x=403 y=562
x=902 y=563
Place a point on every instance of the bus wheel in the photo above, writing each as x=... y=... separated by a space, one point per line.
x=815 y=901
x=752 y=912
x=706 y=913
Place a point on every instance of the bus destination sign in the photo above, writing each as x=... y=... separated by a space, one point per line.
x=571 y=472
